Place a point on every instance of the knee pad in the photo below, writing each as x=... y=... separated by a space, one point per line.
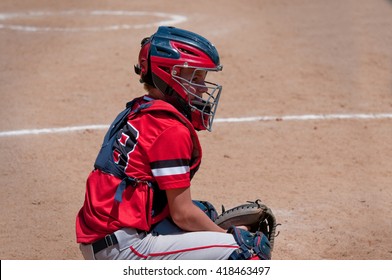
x=207 y=208
x=250 y=245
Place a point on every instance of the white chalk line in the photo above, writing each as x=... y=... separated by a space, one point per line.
x=308 y=117
x=167 y=19
x=218 y=120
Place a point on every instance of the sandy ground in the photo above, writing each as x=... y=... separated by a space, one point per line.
x=329 y=181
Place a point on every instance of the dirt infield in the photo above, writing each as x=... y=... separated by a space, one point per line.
x=327 y=178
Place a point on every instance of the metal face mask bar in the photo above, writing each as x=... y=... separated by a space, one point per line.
x=203 y=97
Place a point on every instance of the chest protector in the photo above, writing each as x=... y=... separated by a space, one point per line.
x=140 y=206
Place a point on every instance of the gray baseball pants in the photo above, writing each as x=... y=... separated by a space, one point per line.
x=134 y=245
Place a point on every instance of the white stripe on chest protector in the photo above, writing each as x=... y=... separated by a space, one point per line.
x=170 y=171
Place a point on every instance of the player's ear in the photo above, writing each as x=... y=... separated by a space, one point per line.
x=144 y=66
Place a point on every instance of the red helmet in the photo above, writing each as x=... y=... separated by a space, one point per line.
x=166 y=56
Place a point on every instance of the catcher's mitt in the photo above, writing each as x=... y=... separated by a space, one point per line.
x=255 y=215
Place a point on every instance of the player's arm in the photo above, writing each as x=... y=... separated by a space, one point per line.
x=186 y=215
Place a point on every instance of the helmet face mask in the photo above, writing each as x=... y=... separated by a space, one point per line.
x=176 y=62
x=202 y=96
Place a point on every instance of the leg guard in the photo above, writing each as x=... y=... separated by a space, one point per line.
x=207 y=208
x=250 y=245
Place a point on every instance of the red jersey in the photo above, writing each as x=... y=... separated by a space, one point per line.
x=158 y=146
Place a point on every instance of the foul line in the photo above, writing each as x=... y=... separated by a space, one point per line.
x=219 y=120
x=309 y=117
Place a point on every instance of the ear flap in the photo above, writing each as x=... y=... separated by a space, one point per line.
x=143 y=68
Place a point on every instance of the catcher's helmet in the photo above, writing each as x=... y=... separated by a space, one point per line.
x=162 y=58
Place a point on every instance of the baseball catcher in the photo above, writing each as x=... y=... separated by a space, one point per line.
x=138 y=203
x=258 y=240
